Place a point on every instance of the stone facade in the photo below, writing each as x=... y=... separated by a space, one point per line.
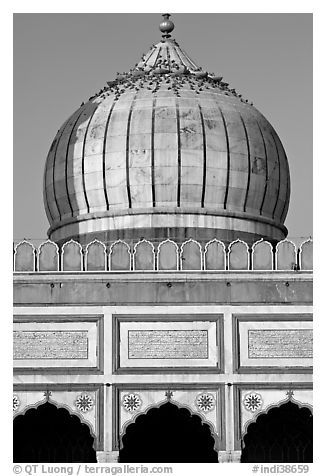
x=136 y=324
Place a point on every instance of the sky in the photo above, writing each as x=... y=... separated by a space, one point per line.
x=62 y=59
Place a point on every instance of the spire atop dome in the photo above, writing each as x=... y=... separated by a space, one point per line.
x=166 y=26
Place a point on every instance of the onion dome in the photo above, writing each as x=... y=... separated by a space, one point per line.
x=166 y=150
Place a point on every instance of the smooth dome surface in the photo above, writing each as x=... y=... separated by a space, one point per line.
x=167 y=150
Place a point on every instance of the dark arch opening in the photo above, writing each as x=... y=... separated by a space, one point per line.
x=282 y=435
x=168 y=434
x=48 y=434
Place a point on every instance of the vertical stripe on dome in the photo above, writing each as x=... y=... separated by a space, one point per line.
x=168 y=56
x=204 y=157
x=279 y=174
x=157 y=57
x=103 y=156
x=249 y=162
x=83 y=157
x=266 y=162
x=287 y=195
x=174 y=54
x=179 y=152
x=152 y=152
x=228 y=159
x=127 y=152
x=178 y=55
x=53 y=166
x=186 y=61
x=283 y=182
x=66 y=159
x=150 y=53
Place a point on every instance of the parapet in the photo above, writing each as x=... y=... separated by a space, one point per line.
x=167 y=255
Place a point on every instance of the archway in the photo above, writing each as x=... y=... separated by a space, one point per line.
x=282 y=435
x=168 y=434
x=48 y=434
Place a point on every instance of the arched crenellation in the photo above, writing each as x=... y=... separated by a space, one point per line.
x=305 y=255
x=72 y=256
x=167 y=255
x=191 y=258
x=95 y=256
x=262 y=255
x=286 y=256
x=143 y=257
x=120 y=256
x=24 y=257
x=214 y=257
x=238 y=256
x=48 y=256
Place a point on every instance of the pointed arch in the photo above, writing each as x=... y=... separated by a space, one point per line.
x=238 y=256
x=167 y=255
x=262 y=255
x=280 y=434
x=24 y=257
x=144 y=256
x=214 y=255
x=51 y=433
x=191 y=258
x=168 y=433
x=71 y=256
x=48 y=256
x=306 y=255
x=286 y=255
x=95 y=256
x=120 y=256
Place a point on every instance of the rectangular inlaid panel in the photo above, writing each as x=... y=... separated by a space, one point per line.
x=159 y=342
x=168 y=344
x=50 y=345
x=57 y=343
x=267 y=342
x=278 y=344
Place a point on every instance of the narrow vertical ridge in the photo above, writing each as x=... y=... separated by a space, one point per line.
x=279 y=175
x=127 y=152
x=168 y=56
x=287 y=195
x=204 y=157
x=157 y=56
x=149 y=56
x=53 y=170
x=228 y=159
x=178 y=55
x=103 y=155
x=179 y=153
x=266 y=175
x=152 y=153
x=66 y=159
x=249 y=163
x=83 y=157
x=189 y=60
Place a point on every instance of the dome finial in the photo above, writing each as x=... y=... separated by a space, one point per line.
x=166 y=26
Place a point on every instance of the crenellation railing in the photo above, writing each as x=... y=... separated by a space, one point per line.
x=164 y=256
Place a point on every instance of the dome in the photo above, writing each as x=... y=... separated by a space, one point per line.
x=166 y=150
